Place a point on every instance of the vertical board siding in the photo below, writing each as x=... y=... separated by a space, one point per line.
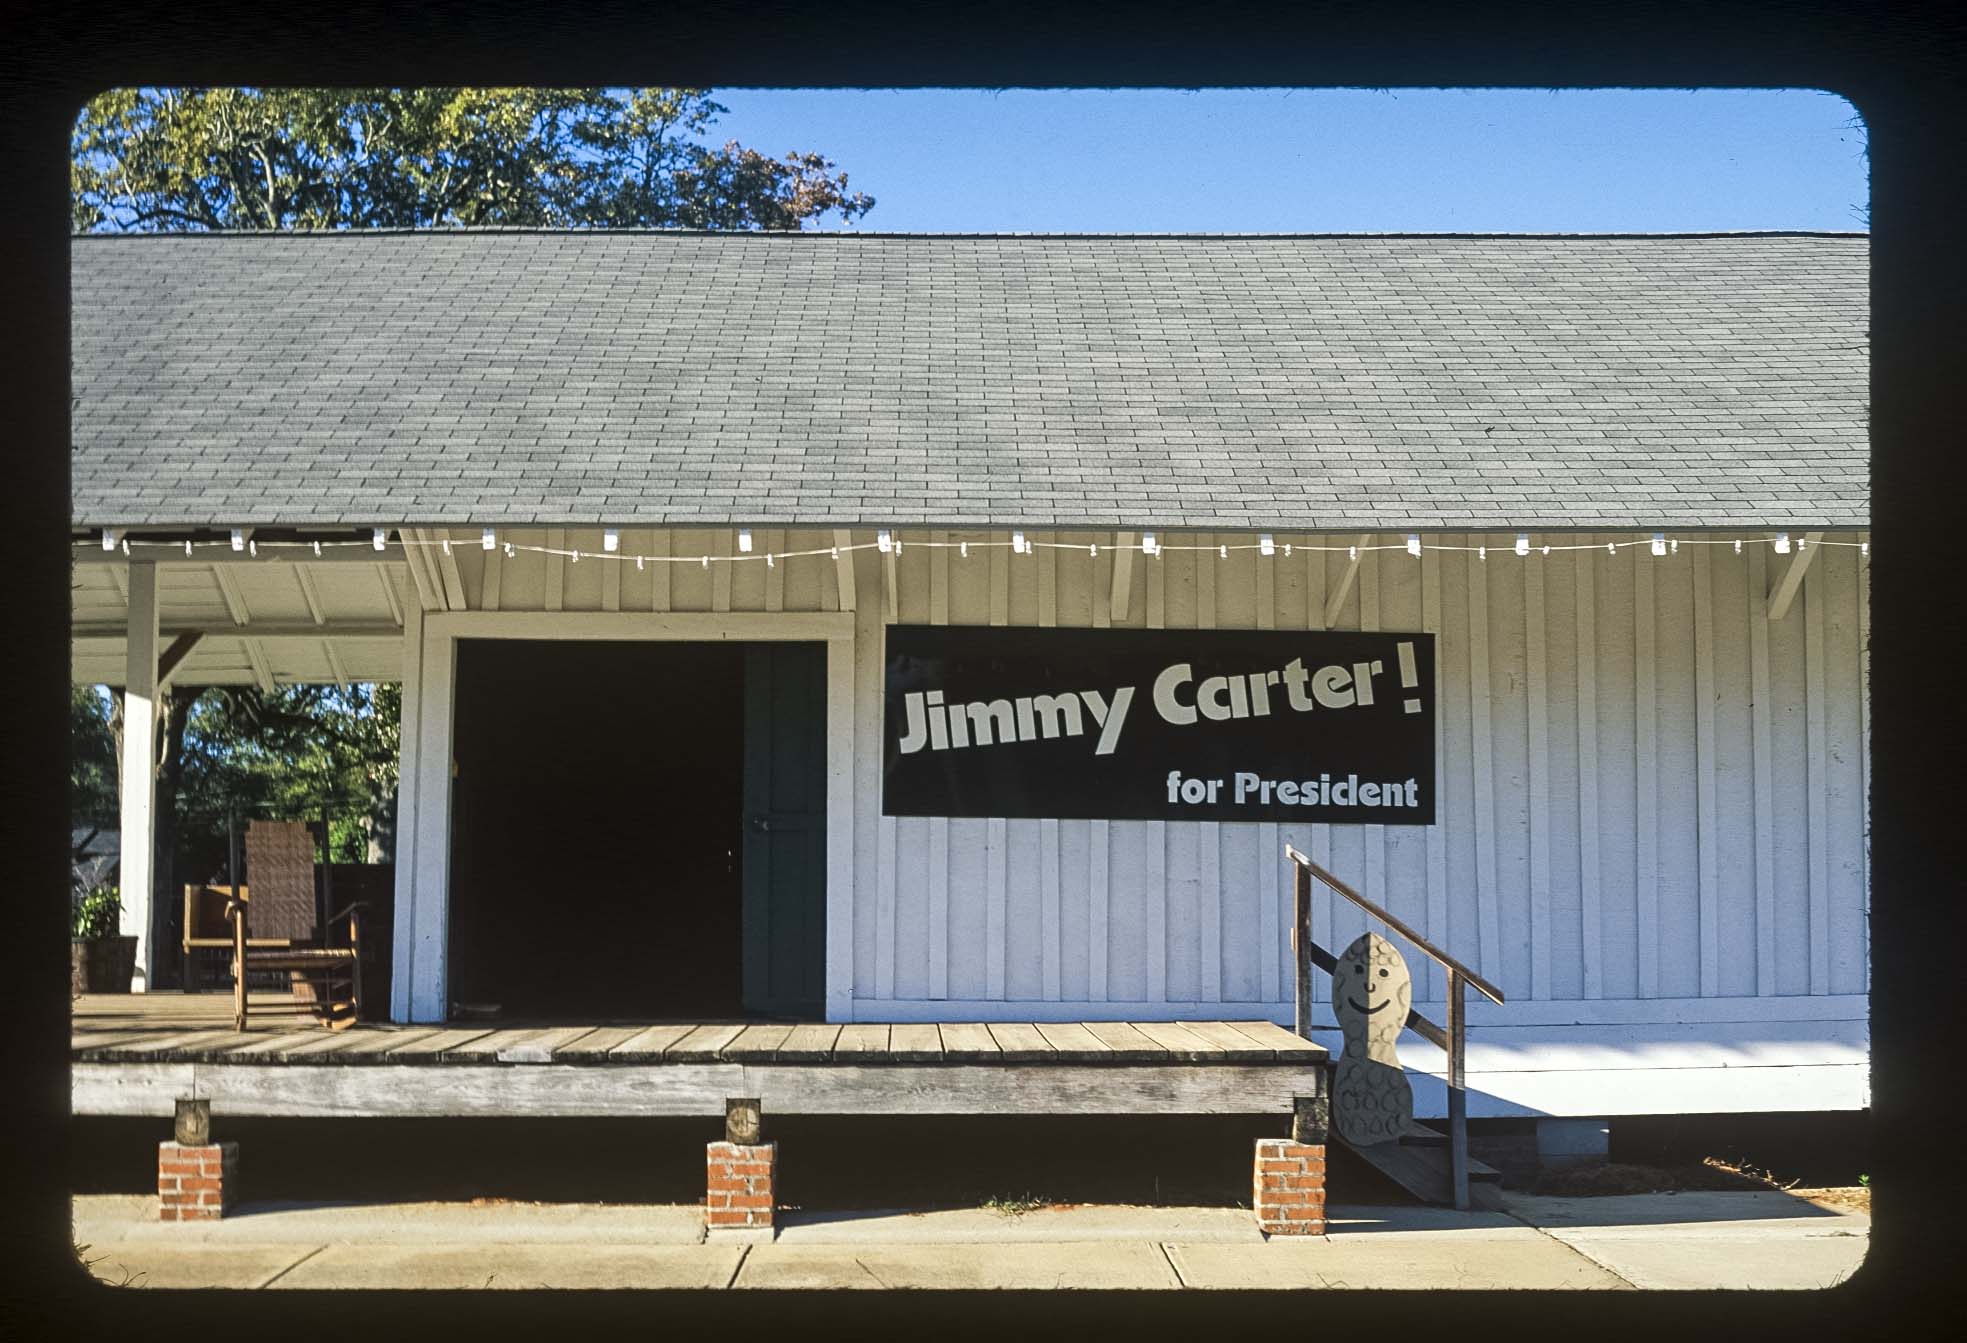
x=1762 y=744
x=1534 y=630
x=1591 y=952
x=1706 y=838
x=1676 y=815
x=1488 y=951
x=1864 y=756
x=1436 y=927
x=1646 y=762
x=1816 y=715
x=1844 y=751
x=1645 y=789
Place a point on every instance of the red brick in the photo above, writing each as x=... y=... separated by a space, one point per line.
x=751 y=1200
x=729 y=1184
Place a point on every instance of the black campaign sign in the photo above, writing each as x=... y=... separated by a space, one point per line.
x=1193 y=725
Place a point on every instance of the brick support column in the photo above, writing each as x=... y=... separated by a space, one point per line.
x=740 y=1195
x=196 y=1183
x=1288 y=1187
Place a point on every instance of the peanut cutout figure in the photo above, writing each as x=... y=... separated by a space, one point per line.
x=1372 y=992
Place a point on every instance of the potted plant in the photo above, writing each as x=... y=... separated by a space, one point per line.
x=100 y=960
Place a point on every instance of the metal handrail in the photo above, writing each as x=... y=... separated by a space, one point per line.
x=1454 y=1040
x=1448 y=962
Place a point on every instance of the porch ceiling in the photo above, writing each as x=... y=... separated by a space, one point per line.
x=357 y=610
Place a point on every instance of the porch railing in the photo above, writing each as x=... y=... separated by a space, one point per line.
x=1307 y=953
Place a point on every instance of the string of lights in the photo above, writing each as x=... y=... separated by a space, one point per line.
x=888 y=541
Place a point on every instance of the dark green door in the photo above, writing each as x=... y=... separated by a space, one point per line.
x=785 y=830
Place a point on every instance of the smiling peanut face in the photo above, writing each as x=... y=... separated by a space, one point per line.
x=1371 y=989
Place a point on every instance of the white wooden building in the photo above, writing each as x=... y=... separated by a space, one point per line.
x=1652 y=767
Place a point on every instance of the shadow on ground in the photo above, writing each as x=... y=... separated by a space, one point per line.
x=843 y=1164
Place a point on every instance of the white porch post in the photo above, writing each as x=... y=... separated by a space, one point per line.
x=138 y=840
x=403 y=945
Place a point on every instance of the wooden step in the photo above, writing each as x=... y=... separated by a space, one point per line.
x=1422 y=1169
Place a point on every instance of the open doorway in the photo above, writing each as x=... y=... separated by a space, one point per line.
x=637 y=830
x=595 y=827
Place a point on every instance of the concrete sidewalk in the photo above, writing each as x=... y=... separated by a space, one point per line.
x=1751 y=1240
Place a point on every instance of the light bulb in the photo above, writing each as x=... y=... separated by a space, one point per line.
x=1017 y=543
x=238 y=539
x=744 y=540
x=885 y=540
x=381 y=535
x=1266 y=544
x=1782 y=543
x=110 y=536
x=1149 y=546
x=1522 y=543
x=1223 y=552
x=611 y=540
x=1414 y=545
x=487 y=541
x=1659 y=543
x=317 y=548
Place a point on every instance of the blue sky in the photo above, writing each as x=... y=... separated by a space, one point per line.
x=1326 y=160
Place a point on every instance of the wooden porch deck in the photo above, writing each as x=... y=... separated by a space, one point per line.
x=137 y=1053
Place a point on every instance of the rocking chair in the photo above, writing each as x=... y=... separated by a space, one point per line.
x=274 y=915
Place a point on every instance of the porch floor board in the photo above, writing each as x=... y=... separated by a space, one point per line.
x=196 y=1027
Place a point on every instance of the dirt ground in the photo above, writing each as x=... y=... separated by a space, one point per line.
x=1610 y=1178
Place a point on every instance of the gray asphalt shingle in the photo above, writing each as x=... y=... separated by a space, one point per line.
x=1314 y=382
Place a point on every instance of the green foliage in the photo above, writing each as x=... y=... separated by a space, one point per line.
x=91 y=759
x=178 y=160
x=95 y=914
x=289 y=754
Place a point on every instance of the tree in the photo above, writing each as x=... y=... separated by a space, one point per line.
x=92 y=798
x=192 y=160
x=291 y=754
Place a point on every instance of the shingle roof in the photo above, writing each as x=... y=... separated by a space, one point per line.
x=1367 y=382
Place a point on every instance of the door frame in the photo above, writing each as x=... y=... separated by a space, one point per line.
x=420 y=951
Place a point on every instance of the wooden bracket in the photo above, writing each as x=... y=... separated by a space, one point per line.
x=180 y=648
